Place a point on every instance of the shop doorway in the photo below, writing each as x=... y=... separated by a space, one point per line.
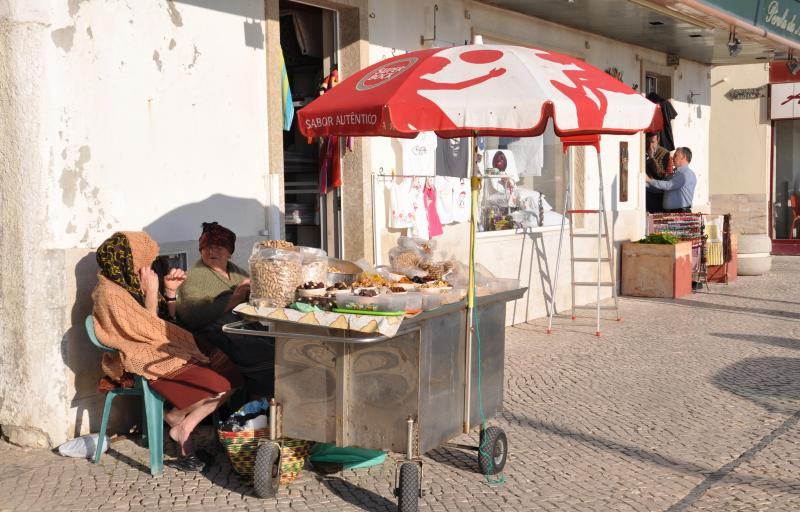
x=785 y=221
x=309 y=41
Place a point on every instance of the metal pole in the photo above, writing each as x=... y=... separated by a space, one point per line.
x=600 y=217
x=567 y=204
x=609 y=246
x=273 y=419
x=474 y=185
x=410 y=438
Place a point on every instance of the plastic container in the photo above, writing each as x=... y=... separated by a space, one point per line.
x=347 y=300
x=454 y=295
x=275 y=274
x=392 y=302
x=413 y=302
x=431 y=301
x=315 y=264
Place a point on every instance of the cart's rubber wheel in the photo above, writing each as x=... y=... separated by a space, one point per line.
x=267 y=470
x=408 y=493
x=492 y=450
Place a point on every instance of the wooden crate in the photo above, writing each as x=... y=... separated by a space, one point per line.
x=656 y=270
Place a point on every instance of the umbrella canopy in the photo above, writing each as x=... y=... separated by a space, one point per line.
x=483 y=89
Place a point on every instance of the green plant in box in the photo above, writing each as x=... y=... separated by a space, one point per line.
x=659 y=238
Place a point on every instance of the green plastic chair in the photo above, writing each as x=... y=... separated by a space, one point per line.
x=153 y=411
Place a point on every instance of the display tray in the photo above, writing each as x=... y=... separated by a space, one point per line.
x=364 y=312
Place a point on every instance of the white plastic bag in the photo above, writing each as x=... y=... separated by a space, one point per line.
x=82 y=447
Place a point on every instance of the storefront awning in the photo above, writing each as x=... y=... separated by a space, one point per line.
x=698 y=30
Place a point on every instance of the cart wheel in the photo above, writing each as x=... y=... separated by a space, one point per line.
x=267 y=470
x=492 y=450
x=408 y=492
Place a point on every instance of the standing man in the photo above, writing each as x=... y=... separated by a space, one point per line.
x=679 y=189
x=658 y=166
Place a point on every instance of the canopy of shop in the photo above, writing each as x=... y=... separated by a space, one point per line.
x=479 y=90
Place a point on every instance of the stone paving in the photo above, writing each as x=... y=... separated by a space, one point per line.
x=686 y=405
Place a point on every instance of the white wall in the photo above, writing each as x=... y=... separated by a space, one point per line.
x=159 y=119
x=515 y=255
x=116 y=115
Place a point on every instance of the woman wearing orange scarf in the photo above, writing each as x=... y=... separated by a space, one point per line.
x=127 y=316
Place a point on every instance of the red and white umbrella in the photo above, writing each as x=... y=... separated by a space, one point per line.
x=479 y=89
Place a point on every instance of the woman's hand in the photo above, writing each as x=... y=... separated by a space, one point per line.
x=239 y=295
x=172 y=281
x=149 y=283
x=242 y=290
x=149 y=280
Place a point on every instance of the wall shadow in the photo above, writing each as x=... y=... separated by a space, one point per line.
x=750 y=311
x=775 y=341
x=183 y=224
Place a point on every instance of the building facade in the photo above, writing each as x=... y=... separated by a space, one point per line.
x=162 y=115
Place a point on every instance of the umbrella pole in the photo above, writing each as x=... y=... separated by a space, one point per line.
x=474 y=187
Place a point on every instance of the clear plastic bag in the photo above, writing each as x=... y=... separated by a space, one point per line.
x=275 y=274
x=315 y=264
x=82 y=447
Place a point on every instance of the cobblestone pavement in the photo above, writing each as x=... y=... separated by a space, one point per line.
x=690 y=404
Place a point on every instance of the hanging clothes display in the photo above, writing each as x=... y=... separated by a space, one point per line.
x=461 y=200
x=402 y=204
x=444 y=198
x=419 y=154
x=668 y=113
x=286 y=96
x=429 y=198
x=330 y=161
x=420 y=227
x=452 y=157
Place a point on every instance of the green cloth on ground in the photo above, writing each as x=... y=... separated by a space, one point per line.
x=349 y=457
x=205 y=293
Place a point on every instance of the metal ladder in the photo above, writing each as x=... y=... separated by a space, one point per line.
x=602 y=233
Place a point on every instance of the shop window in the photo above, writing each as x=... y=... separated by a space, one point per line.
x=524 y=183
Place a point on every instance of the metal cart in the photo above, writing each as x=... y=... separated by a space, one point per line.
x=408 y=393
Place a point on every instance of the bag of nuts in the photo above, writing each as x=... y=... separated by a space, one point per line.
x=315 y=264
x=274 y=276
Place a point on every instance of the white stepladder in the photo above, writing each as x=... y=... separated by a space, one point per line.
x=602 y=232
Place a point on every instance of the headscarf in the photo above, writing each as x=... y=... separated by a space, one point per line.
x=214 y=234
x=121 y=257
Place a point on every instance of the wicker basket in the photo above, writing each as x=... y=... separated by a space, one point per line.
x=242 y=448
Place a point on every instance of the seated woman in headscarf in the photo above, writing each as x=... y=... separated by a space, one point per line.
x=128 y=311
x=214 y=286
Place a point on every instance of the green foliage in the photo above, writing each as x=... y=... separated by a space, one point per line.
x=659 y=238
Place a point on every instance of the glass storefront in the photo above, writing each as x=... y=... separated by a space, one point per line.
x=786 y=180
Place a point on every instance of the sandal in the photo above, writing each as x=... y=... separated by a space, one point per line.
x=190 y=464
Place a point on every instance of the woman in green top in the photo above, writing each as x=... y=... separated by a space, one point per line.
x=213 y=287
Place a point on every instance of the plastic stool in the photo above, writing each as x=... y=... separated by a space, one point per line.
x=153 y=410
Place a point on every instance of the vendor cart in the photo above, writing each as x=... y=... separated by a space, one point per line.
x=407 y=393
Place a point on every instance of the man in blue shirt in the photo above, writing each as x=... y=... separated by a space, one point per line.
x=679 y=189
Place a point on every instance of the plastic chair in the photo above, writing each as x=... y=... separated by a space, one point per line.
x=795 y=204
x=153 y=411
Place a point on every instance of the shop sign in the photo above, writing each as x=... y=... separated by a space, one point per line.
x=780 y=17
x=746 y=94
x=785 y=101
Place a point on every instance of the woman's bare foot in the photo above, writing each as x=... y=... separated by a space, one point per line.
x=182 y=437
x=174 y=417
